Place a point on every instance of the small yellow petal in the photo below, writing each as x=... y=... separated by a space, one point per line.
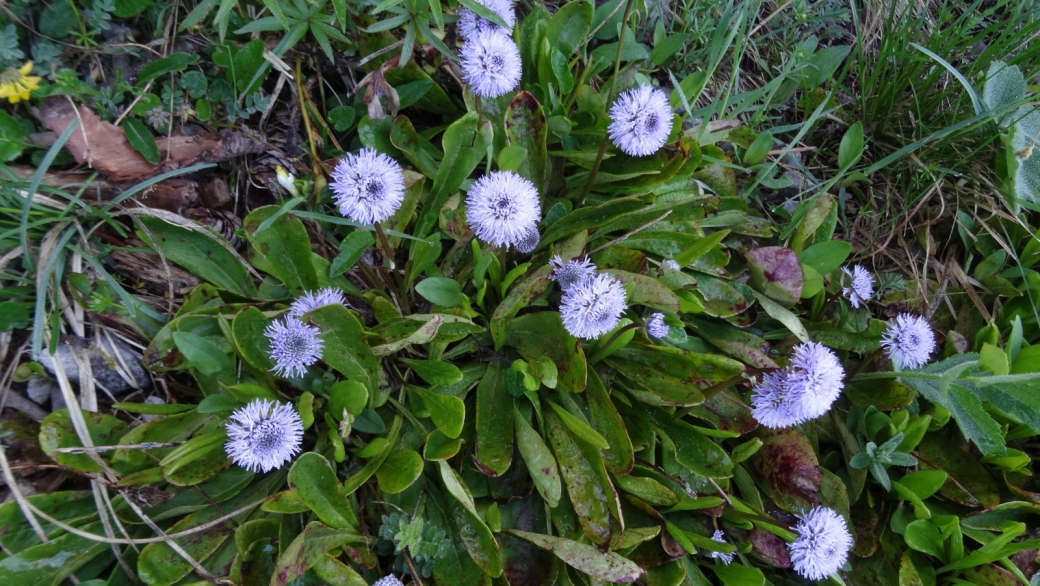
x=26 y=69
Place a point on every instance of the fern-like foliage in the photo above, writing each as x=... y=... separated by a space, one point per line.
x=425 y=542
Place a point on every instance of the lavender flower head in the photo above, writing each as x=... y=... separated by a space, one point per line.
x=368 y=187
x=470 y=24
x=571 y=273
x=822 y=546
x=315 y=299
x=771 y=406
x=593 y=307
x=656 y=327
x=909 y=341
x=502 y=208
x=814 y=380
x=263 y=435
x=670 y=264
x=294 y=346
x=388 y=580
x=641 y=121
x=529 y=241
x=718 y=555
x=861 y=285
x=490 y=64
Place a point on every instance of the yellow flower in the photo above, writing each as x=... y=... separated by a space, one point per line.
x=15 y=84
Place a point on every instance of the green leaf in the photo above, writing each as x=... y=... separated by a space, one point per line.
x=57 y=431
x=141 y=139
x=435 y=372
x=440 y=290
x=1005 y=86
x=511 y=157
x=50 y=563
x=168 y=64
x=464 y=145
x=494 y=446
x=400 y=469
x=204 y=355
x=348 y=395
x=784 y=316
x=248 y=331
x=585 y=218
x=351 y=249
x=851 y=148
x=542 y=334
x=692 y=448
x=758 y=149
x=826 y=256
x=608 y=567
x=313 y=479
x=579 y=428
x=585 y=485
x=776 y=272
x=540 y=462
x=285 y=246
x=12 y=137
x=448 y=412
x=526 y=129
x=569 y=27
x=199 y=254
x=618 y=456
x=309 y=549
x=13 y=316
x=346 y=348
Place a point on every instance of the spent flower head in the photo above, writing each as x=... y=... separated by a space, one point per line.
x=470 y=24
x=670 y=264
x=294 y=346
x=861 y=285
x=656 y=327
x=909 y=341
x=490 y=63
x=503 y=208
x=529 y=241
x=263 y=435
x=641 y=121
x=570 y=273
x=725 y=557
x=593 y=307
x=822 y=546
x=368 y=187
x=314 y=299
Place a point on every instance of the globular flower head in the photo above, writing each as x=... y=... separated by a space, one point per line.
x=725 y=557
x=529 y=241
x=490 y=63
x=368 y=187
x=388 y=580
x=641 y=121
x=770 y=404
x=656 y=327
x=570 y=273
x=670 y=264
x=909 y=341
x=263 y=435
x=861 y=285
x=503 y=208
x=315 y=299
x=294 y=346
x=814 y=380
x=470 y=24
x=822 y=546
x=593 y=307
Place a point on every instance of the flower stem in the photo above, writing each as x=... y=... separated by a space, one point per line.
x=891 y=375
x=610 y=342
x=610 y=94
x=393 y=281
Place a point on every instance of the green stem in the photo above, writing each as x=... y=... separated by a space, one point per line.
x=610 y=342
x=610 y=95
x=892 y=375
x=394 y=280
